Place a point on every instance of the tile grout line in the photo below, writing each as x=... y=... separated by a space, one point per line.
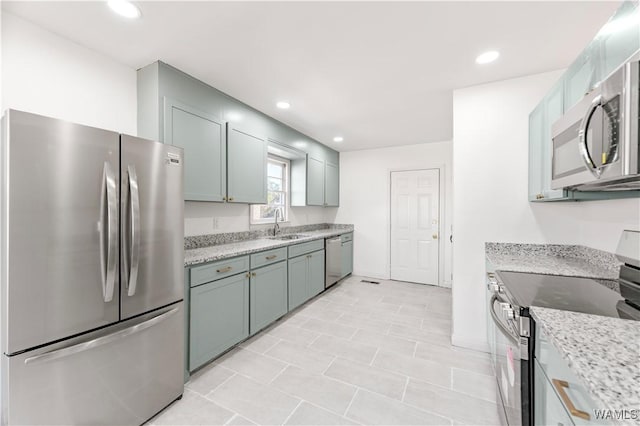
x=353 y=398
x=232 y=417
x=221 y=383
x=404 y=392
x=314 y=340
x=374 y=356
x=293 y=411
x=278 y=375
x=335 y=357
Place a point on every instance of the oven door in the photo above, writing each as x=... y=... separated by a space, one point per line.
x=507 y=363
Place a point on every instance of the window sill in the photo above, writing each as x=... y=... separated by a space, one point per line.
x=269 y=222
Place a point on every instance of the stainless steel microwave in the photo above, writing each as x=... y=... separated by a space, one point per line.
x=595 y=143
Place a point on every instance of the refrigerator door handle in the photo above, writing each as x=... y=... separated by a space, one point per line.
x=109 y=338
x=108 y=236
x=132 y=259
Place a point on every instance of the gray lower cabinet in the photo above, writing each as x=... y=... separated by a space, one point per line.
x=246 y=167
x=202 y=136
x=306 y=277
x=316 y=274
x=268 y=295
x=548 y=408
x=219 y=318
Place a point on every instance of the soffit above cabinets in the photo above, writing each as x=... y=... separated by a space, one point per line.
x=377 y=73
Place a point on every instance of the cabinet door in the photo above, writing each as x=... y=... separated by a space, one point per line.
x=331 y=185
x=548 y=409
x=202 y=136
x=536 y=121
x=581 y=76
x=347 y=258
x=315 y=182
x=219 y=318
x=554 y=108
x=268 y=295
x=316 y=273
x=298 y=288
x=246 y=167
x=619 y=38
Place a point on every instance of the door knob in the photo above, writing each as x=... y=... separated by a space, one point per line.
x=435 y=236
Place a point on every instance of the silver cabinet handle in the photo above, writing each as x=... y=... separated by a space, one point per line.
x=109 y=338
x=223 y=270
x=108 y=228
x=132 y=258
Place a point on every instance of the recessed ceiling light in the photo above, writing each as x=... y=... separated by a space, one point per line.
x=338 y=139
x=125 y=8
x=487 y=57
x=283 y=105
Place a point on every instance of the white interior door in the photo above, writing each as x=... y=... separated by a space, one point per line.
x=415 y=207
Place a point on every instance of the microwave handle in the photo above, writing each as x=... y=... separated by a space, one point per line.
x=586 y=157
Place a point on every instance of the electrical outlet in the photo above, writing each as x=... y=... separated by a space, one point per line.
x=216 y=223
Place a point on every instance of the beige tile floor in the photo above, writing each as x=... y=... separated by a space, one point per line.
x=358 y=354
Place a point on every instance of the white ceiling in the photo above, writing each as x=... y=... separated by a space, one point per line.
x=377 y=73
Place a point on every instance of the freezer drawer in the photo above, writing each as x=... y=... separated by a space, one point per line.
x=121 y=375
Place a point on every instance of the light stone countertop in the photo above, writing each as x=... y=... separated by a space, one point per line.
x=553 y=259
x=603 y=352
x=225 y=251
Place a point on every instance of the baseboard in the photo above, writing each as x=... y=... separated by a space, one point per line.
x=470 y=343
x=370 y=274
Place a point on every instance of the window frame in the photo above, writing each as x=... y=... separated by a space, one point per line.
x=255 y=208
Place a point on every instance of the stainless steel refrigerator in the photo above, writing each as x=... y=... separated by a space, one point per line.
x=91 y=274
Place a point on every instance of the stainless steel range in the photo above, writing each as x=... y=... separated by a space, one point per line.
x=511 y=336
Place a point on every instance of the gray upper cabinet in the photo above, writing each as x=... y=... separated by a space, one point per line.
x=246 y=167
x=315 y=182
x=202 y=136
x=331 y=185
x=200 y=111
x=612 y=46
x=619 y=38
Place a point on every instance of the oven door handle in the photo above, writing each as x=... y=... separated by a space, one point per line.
x=498 y=323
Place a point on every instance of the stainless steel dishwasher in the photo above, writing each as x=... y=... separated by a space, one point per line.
x=334 y=261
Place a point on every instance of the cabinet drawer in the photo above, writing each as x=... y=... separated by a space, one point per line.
x=268 y=257
x=304 y=248
x=216 y=270
x=346 y=237
x=566 y=385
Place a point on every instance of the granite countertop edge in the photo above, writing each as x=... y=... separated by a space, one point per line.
x=553 y=259
x=611 y=368
x=214 y=253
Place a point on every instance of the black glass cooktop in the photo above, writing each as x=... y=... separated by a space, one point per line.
x=567 y=293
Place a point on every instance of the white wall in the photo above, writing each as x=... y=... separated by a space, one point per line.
x=46 y=74
x=365 y=200
x=199 y=217
x=490 y=171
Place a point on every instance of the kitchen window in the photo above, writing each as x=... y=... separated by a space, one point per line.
x=277 y=193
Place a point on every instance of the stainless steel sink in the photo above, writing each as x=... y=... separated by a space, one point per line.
x=288 y=237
